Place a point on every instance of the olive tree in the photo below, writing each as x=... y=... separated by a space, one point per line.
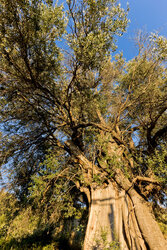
x=101 y=119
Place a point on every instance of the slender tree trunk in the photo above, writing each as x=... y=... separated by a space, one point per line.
x=116 y=221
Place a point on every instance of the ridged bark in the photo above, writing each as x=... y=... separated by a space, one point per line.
x=118 y=220
x=117 y=214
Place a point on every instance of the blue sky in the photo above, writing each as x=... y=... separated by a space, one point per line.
x=148 y=15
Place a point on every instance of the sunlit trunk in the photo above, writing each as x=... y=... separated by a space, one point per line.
x=114 y=222
x=119 y=218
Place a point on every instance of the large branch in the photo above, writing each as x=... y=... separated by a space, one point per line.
x=145 y=179
x=103 y=127
x=158 y=135
x=152 y=141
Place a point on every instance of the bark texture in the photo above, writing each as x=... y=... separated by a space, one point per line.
x=118 y=214
x=117 y=221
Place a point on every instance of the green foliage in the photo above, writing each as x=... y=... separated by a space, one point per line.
x=8 y=211
x=63 y=111
x=160 y=46
x=30 y=58
x=97 y=179
x=95 y=24
x=31 y=228
x=53 y=185
x=28 y=32
x=23 y=225
x=102 y=242
x=157 y=163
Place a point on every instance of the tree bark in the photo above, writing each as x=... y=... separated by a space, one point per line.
x=118 y=221
x=119 y=218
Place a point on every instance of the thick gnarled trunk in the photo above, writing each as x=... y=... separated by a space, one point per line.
x=114 y=222
x=119 y=218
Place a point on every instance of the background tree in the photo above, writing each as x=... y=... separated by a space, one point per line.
x=79 y=127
